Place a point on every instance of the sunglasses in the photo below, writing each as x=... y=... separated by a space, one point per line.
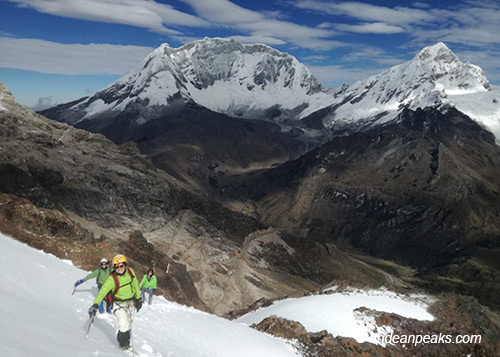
x=104 y=263
x=120 y=266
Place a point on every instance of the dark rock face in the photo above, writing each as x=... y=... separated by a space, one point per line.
x=108 y=189
x=90 y=176
x=283 y=328
x=421 y=191
x=201 y=147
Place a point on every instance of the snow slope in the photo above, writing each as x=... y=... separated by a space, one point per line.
x=40 y=316
x=483 y=107
x=336 y=314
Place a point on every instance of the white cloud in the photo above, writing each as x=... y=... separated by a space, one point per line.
x=141 y=13
x=50 y=57
x=43 y=103
x=164 y=18
x=259 y=25
x=224 y=12
x=474 y=25
x=315 y=58
x=395 y=16
x=376 y=27
x=302 y=36
x=372 y=54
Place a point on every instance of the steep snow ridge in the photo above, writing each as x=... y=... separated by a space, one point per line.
x=152 y=81
x=222 y=75
x=424 y=81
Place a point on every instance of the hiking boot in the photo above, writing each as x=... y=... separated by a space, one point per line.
x=123 y=339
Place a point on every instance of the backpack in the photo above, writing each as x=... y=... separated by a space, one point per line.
x=110 y=298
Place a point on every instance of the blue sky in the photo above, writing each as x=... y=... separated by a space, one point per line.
x=55 y=51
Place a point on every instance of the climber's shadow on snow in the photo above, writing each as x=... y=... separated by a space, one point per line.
x=93 y=290
x=109 y=330
x=106 y=329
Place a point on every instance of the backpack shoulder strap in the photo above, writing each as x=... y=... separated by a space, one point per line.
x=130 y=273
x=117 y=283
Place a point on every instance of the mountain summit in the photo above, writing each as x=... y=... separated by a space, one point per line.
x=225 y=76
x=433 y=78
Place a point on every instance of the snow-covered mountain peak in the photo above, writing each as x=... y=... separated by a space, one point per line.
x=222 y=75
x=436 y=52
x=433 y=75
x=443 y=67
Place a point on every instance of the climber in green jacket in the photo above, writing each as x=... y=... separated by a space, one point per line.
x=101 y=274
x=122 y=288
x=148 y=283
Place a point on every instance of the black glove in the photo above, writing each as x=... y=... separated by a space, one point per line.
x=93 y=310
x=138 y=304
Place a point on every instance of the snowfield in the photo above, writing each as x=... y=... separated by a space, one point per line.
x=40 y=317
x=336 y=314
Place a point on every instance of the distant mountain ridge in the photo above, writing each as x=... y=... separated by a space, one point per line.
x=259 y=82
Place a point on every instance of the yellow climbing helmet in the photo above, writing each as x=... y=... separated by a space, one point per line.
x=120 y=258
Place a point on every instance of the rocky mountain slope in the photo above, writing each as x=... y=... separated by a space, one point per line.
x=422 y=191
x=82 y=197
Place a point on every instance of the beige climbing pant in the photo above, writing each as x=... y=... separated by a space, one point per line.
x=124 y=313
